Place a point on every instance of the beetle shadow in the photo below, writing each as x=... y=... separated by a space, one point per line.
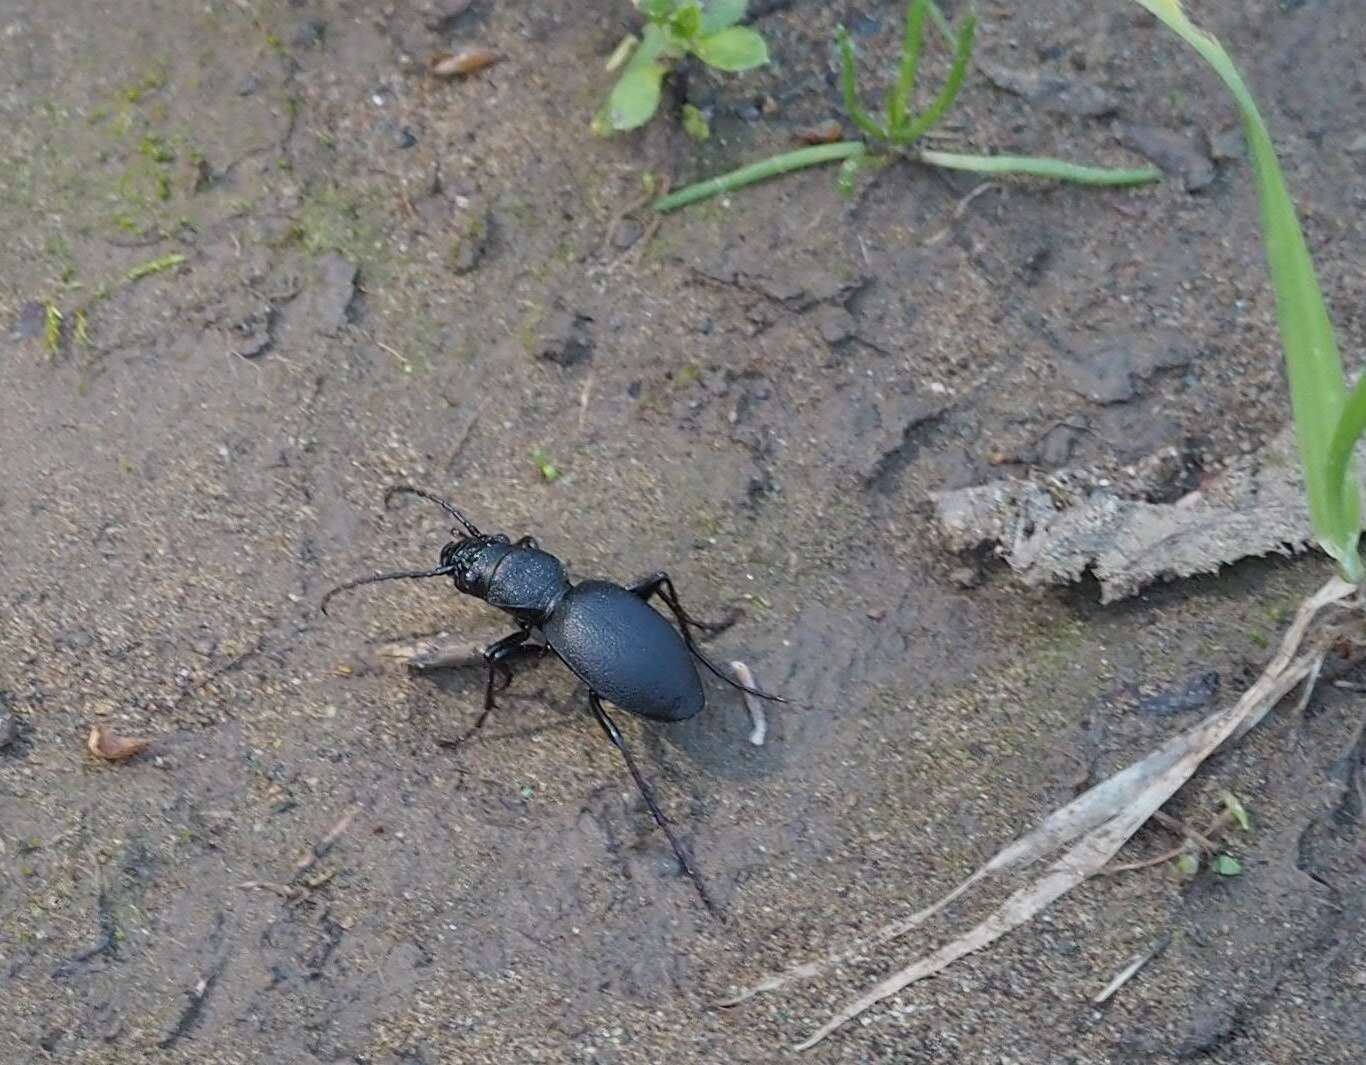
x=539 y=701
x=531 y=706
x=716 y=741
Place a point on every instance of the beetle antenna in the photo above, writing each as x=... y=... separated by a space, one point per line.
x=413 y=575
x=407 y=489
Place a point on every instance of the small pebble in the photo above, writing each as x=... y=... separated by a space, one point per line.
x=966 y=577
x=626 y=233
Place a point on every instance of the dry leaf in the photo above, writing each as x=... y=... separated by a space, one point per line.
x=105 y=745
x=1055 y=531
x=461 y=63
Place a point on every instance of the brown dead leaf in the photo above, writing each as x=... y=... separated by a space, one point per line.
x=462 y=63
x=104 y=745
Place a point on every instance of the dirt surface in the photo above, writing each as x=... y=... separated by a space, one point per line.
x=387 y=277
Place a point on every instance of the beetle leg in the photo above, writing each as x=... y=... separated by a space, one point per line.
x=494 y=654
x=527 y=541
x=614 y=735
x=660 y=584
x=654 y=585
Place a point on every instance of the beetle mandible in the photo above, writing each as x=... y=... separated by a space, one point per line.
x=609 y=636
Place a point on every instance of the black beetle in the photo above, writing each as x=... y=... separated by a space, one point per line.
x=607 y=634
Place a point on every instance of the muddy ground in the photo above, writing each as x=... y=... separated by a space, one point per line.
x=391 y=278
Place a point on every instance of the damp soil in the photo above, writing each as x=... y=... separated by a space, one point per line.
x=294 y=268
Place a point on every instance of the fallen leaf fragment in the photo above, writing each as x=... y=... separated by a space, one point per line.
x=105 y=745
x=1055 y=531
x=827 y=132
x=462 y=63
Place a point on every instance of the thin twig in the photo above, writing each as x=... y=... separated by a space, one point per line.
x=285 y=891
x=1093 y=827
x=752 y=704
x=385 y=347
x=621 y=216
x=1146 y=863
x=1131 y=970
x=1176 y=825
x=960 y=210
x=637 y=249
x=319 y=850
x=421 y=656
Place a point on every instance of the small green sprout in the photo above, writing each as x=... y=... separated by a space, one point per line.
x=549 y=472
x=155 y=266
x=898 y=131
x=52 y=328
x=1236 y=810
x=674 y=29
x=156 y=149
x=695 y=123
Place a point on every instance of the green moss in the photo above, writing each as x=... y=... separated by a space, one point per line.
x=336 y=219
x=530 y=331
x=156 y=149
x=152 y=80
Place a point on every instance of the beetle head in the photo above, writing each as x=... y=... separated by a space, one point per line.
x=471 y=560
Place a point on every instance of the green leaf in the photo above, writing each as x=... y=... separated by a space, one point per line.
x=734 y=49
x=695 y=123
x=1236 y=810
x=1188 y=864
x=635 y=98
x=800 y=159
x=1318 y=390
x=849 y=83
x=657 y=10
x=899 y=99
x=1226 y=865
x=687 y=21
x=548 y=470
x=936 y=111
x=654 y=42
x=1037 y=166
x=719 y=14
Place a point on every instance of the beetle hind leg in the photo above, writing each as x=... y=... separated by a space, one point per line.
x=614 y=735
x=662 y=585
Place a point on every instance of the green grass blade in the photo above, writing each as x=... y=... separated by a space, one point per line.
x=1339 y=470
x=899 y=99
x=1317 y=386
x=849 y=82
x=961 y=56
x=1037 y=166
x=748 y=175
x=941 y=23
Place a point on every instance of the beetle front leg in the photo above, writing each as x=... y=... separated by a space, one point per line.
x=660 y=584
x=494 y=654
x=614 y=735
